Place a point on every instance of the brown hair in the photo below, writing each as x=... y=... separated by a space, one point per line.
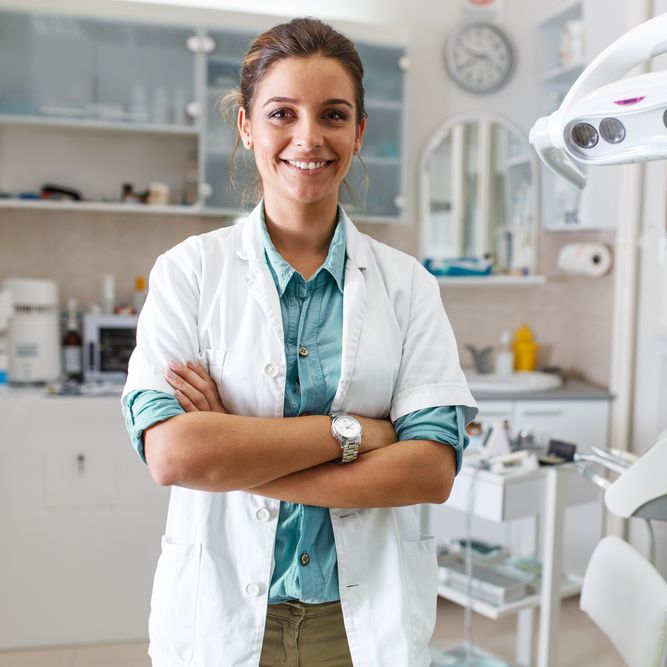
x=299 y=38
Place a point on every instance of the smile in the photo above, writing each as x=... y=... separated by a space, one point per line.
x=308 y=166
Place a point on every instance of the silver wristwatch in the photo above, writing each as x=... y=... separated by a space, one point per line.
x=347 y=430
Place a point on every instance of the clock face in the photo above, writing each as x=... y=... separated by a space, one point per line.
x=479 y=57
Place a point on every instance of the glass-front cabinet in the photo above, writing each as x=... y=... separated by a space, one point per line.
x=90 y=70
x=376 y=179
x=67 y=73
x=222 y=187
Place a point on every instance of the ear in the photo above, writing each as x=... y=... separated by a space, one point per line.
x=243 y=125
x=358 y=140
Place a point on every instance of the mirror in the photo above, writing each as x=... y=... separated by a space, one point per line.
x=478 y=194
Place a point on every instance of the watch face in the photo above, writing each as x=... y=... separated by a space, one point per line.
x=479 y=57
x=347 y=427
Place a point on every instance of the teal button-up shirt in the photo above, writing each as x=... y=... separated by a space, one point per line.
x=312 y=314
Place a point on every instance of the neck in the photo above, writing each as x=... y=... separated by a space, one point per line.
x=298 y=229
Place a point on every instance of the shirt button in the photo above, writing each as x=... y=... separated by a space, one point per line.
x=303 y=351
x=252 y=589
x=263 y=514
x=305 y=559
x=271 y=370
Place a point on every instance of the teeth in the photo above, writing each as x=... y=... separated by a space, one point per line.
x=307 y=165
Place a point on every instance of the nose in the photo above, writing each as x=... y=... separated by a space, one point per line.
x=309 y=134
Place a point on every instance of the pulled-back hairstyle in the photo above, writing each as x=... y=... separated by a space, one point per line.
x=299 y=38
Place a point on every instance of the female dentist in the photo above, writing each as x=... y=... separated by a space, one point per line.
x=297 y=384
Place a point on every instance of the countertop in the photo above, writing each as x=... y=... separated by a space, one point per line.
x=572 y=390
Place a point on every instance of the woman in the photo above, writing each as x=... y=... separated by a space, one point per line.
x=251 y=336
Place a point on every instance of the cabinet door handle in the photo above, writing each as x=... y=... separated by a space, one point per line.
x=542 y=413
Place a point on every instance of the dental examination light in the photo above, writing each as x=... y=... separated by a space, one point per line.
x=605 y=119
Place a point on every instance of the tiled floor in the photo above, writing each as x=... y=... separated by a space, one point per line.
x=581 y=643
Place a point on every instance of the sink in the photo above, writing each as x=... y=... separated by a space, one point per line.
x=525 y=382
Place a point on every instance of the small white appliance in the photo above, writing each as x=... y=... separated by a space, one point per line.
x=33 y=338
x=108 y=341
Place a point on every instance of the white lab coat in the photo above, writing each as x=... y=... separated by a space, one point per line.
x=212 y=297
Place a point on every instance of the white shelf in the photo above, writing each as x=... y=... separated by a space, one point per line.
x=491 y=281
x=570 y=586
x=111 y=207
x=92 y=124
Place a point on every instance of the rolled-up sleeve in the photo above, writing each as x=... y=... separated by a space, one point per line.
x=444 y=424
x=430 y=374
x=143 y=409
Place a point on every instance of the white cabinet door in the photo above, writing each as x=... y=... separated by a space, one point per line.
x=580 y=422
x=81 y=522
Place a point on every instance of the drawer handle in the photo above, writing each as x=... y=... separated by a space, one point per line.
x=543 y=413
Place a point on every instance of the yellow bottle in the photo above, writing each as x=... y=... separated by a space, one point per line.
x=525 y=350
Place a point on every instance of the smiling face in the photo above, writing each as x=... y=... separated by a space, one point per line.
x=303 y=130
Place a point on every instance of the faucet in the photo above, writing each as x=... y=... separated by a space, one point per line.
x=482 y=358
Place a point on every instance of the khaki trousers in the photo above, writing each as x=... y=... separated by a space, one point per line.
x=305 y=635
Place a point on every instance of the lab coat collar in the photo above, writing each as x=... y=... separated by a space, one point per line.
x=253 y=239
x=283 y=271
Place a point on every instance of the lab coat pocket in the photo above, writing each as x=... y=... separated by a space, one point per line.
x=421 y=574
x=174 y=602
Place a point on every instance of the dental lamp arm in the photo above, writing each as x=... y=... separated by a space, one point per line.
x=640 y=44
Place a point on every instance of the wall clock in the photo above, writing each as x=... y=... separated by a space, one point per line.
x=479 y=57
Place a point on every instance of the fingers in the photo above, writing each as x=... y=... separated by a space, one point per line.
x=197 y=389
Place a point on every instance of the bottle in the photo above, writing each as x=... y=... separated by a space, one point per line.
x=140 y=292
x=72 y=345
x=108 y=294
x=504 y=356
x=525 y=350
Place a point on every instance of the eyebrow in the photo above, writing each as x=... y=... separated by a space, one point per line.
x=292 y=100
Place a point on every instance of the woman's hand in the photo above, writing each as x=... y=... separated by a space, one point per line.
x=195 y=389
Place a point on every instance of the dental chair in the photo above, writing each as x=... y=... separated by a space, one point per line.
x=623 y=593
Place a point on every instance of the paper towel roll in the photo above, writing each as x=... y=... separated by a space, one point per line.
x=588 y=259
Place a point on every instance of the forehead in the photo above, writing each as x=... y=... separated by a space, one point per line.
x=306 y=79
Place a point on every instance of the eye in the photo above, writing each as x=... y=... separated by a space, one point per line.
x=335 y=115
x=280 y=114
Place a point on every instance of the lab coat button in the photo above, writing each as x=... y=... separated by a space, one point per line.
x=263 y=514
x=305 y=559
x=271 y=370
x=252 y=589
x=303 y=351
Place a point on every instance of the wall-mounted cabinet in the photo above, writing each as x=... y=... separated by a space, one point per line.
x=149 y=93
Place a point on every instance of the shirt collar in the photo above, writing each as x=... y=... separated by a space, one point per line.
x=283 y=270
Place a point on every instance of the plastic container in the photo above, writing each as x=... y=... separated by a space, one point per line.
x=525 y=349
x=504 y=356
